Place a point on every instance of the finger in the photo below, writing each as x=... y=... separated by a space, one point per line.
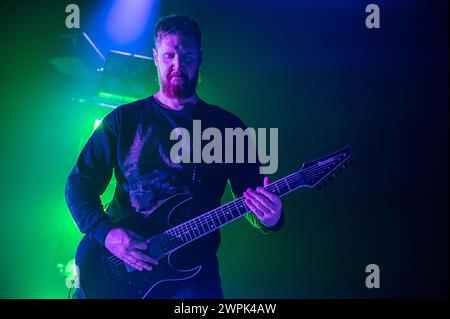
x=261 y=199
x=138 y=264
x=144 y=257
x=258 y=204
x=144 y=265
x=255 y=209
x=133 y=262
x=272 y=197
x=135 y=236
x=266 y=181
x=141 y=245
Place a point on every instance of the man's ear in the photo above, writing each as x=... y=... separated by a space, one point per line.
x=155 y=57
x=201 y=57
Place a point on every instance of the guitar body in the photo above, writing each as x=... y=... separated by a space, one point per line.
x=102 y=275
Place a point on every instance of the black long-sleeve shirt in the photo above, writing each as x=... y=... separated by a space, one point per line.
x=133 y=141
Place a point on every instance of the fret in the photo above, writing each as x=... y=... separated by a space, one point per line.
x=191 y=228
x=296 y=182
x=168 y=238
x=182 y=233
x=172 y=239
x=214 y=217
x=204 y=223
x=247 y=209
x=276 y=185
x=163 y=242
x=243 y=207
x=194 y=229
x=199 y=227
x=230 y=216
x=191 y=231
x=211 y=224
x=179 y=235
x=287 y=184
x=227 y=214
x=186 y=231
x=237 y=209
x=222 y=217
x=219 y=214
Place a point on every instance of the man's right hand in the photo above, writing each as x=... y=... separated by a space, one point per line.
x=129 y=247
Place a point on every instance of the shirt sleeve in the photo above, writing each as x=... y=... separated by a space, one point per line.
x=245 y=175
x=90 y=177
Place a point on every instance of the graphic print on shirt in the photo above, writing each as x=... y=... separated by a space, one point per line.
x=152 y=177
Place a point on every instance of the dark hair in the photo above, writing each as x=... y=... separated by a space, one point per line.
x=178 y=25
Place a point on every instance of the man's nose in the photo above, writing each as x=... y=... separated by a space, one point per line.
x=177 y=62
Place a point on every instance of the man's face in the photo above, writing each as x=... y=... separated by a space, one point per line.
x=178 y=61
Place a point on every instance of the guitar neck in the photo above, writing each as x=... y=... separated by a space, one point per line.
x=210 y=221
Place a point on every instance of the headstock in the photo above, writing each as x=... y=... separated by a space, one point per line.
x=318 y=172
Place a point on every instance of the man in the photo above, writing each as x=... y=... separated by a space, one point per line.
x=134 y=142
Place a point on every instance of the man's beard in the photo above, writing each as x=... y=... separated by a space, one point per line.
x=180 y=89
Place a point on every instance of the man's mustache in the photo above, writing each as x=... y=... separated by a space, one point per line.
x=178 y=74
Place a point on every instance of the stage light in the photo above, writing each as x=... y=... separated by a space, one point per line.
x=67 y=269
x=97 y=123
x=116 y=71
x=127 y=20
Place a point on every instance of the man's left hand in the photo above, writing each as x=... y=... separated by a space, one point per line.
x=266 y=205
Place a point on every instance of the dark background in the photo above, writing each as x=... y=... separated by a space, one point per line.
x=310 y=68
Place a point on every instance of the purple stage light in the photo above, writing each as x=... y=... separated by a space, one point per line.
x=127 y=20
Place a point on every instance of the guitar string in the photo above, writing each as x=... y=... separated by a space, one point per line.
x=187 y=228
x=226 y=209
x=218 y=213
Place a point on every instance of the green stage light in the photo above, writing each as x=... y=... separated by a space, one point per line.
x=97 y=123
x=122 y=99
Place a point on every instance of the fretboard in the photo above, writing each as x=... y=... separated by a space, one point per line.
x=210 y=221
